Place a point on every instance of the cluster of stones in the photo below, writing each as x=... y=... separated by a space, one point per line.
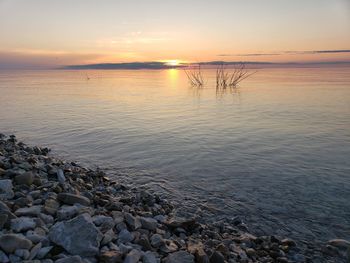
x=57 y=211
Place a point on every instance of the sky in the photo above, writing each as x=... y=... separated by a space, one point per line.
x=50 y=33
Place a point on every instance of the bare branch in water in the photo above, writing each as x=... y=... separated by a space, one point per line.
x=226 y=79
x=194 y=75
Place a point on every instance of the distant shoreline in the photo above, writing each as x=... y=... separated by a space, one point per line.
x=210 y=64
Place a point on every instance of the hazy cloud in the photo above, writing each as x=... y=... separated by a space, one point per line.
x=335 y=51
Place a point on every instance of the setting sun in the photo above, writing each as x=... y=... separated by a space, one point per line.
x=173 y=62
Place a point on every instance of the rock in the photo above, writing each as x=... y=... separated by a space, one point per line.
x=144 y=243
x=79 y=236
x=51 y=206
x=201 y=256
x=22 y=253
x=26 y=178
x=3 y=257
x=197 y=250
x=181 y=222
x=104 y=222
x=5 y=211
x=60 y=176
x=179 y=257
x=339 y=243
x=133 y=256
x=43 y=252
x=110 y=257
x=288 y=242
x=29 y=211
x=6 y=189
x=67 y=212
x=149 y=257
x=108 y=237
x=10 y=242
x=125 y=236
x=149 y=223
x=71 y=199
x=157 y=240
x=72 y=259
x=217 y=257
x=133 y=222
x=34 y=251
x=22 y=224
x=3 y=220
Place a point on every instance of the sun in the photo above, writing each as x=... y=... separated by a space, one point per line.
x=172 y=62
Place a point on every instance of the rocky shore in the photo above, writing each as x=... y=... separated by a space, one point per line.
x=52 y=210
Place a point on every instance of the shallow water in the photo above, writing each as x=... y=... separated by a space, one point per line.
x=275 y=151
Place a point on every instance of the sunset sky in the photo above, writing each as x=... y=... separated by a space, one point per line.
x=42 y=33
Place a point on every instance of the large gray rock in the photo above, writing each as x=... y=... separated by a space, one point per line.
x=179 y=257
x=6 y=189
x=71 y=199
x=78 y=236
x=10 y=242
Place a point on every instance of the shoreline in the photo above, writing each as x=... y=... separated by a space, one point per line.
x=52 y=210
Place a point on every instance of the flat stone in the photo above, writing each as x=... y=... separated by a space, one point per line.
x=51 y=206
x=149 y=257
x=67 y=212
x=34 y=251
x=133 y=256
x=339 y=243
x=60 y=176
x=78 y=236
x=71 y=199
x=3 y=257
x=72 y=259
x=29 y=211
x=3 y=220
x=10 y=242
x=4 y=210
x=149 y=223
x=22 y=224
x=110 y=257
x=6 y=189
x=217 y=257
x=132 y=221
x=125 y=236
x=22 y=253
x=157 y=240
x=103 y=222
x=179 y=257
x=43 y=252
x=26 y=178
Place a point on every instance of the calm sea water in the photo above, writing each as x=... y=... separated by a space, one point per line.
x=276 y=151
